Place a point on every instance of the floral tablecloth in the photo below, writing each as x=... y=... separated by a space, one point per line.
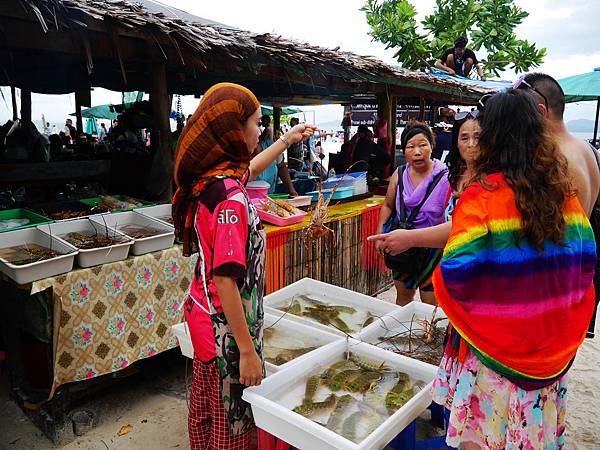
x=107 y=317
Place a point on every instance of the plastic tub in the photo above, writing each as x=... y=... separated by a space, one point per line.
x=161 y=241
x=257 y=189
x=22 y=214
x=83 y=421
x=279 y=196
x=273 y=400
x=158 y=212
x=308 y=335
x=339 y=194
x=76 y=209
x=93 y=256
x=28 y=273
x=275 y=219
x=97 y=201
x=182 y=332
x=355 y=180
x=280 y=221
x=332 y=295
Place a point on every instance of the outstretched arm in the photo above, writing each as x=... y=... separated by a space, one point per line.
x=399 y=241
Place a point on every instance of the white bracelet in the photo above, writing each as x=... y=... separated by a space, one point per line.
x=285 y=141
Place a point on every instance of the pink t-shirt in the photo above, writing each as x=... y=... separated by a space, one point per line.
x=222 y=227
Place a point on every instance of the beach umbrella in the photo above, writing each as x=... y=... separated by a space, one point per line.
x=91 y=127
x=584 y=88
x=286 y=110
x=98 y=112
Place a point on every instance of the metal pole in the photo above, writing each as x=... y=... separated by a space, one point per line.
x=594 y=141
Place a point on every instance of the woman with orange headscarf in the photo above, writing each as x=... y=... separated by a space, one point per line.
x=212 y=215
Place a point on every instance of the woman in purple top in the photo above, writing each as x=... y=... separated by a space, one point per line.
x=419 y=173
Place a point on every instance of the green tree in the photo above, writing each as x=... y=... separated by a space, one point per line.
x=488 y=24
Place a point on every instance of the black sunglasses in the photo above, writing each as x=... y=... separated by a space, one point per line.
x=464 y=114
x=523 y=82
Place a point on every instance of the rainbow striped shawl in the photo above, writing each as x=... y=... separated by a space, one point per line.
x=522 y=312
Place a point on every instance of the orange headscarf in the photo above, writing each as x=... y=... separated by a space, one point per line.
x=212 y=144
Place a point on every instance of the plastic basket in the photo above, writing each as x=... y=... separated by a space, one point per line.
x=20 y=213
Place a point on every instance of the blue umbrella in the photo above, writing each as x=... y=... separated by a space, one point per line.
x=584 y=88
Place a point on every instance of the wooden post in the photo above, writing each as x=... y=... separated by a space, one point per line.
x=422 y=109
x=160 y=181
x=15 y=110
x=276 y=121
x=386 y=109
x=392 y=127
x=25 y=105
x=78 y=118
x=347 y=122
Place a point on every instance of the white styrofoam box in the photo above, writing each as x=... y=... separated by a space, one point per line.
x=310 y=336
x=401 y=321
x=28 y=273
x=402 y=317
x=182 y=332
x=329 y=293
x=161 y=241
x=158 y=212
x=273 y=400
x=93 y=256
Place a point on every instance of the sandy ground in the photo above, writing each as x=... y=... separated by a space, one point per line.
x=154 y=404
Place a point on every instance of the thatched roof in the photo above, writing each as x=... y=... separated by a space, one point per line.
x=58 y=46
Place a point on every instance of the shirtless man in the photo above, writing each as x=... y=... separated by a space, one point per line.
x=583 y=165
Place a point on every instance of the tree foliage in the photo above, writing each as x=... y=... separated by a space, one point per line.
x=488 y=24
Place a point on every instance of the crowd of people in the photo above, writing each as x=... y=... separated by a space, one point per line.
x=505 y=244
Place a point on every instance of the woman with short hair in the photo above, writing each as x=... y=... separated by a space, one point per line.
x=424 y=185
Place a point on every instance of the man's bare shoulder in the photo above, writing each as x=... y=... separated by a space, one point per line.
x=583 y=168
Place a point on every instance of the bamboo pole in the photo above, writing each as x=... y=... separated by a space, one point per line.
x=422 y=109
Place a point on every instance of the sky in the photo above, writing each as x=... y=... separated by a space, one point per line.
x=566 y=29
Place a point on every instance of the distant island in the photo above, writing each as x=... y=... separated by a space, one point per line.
x=580 y=126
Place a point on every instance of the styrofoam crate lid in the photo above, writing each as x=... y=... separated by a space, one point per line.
x=273 y=400
x=327 y=292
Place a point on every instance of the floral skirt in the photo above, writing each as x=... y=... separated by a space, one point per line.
x=490 y=411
